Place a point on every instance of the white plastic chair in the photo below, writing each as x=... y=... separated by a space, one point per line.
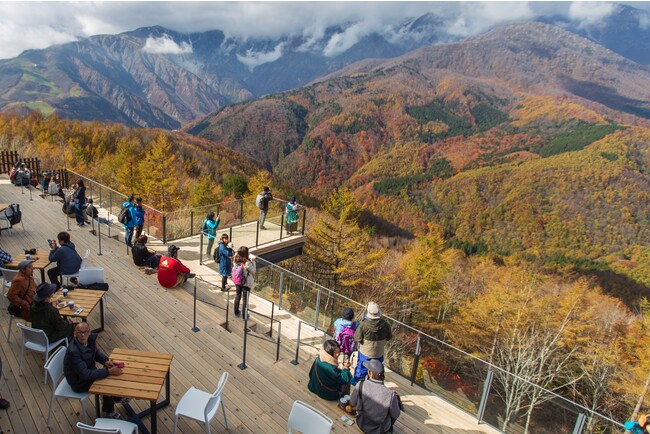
x=84 y=264
x=7 y=276
x=201 y=406
x=36 y=340
x=6 y=215
x=54 y=367
x=307 y=419
x=108 y=426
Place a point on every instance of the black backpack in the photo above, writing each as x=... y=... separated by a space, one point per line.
x=124 y=216
x=13 y=214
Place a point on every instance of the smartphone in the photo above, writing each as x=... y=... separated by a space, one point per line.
x=119 y=364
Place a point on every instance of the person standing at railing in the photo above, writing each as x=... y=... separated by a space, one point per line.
x=262 y=202
x=79 y=199
x=209 y=229
x=128 y=221
x=223 y=255
x=138 y=217
x=292 y=216
x=372 y=335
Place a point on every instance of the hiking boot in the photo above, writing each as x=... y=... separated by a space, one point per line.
x=113 y=415
x=237 y=314
x=190 y=275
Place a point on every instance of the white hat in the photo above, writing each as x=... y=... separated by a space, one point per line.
x=373 y=311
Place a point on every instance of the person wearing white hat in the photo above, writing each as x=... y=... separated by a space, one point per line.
x=371 y=335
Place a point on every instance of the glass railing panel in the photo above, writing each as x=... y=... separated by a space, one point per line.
x=300 y=298
x=400 y=350
x=267 y=284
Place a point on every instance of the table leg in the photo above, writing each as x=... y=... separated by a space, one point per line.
x=42 y=275
x=101 y=316
x=154 y=417
x=97 y=405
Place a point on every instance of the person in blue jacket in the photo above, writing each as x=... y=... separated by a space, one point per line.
x=640 y=427
x=138 y=217
x=130 y=224
x=209 y=229
x=223 y=255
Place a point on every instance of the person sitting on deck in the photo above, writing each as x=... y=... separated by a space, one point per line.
x=325 y=378
x=142 y=256
x=66 y=257
x=80 y=370
x=171 y=272
x=45 y=315
x=377 y=406
x=23 y=289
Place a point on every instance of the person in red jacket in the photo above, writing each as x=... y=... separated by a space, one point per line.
x=171 y=272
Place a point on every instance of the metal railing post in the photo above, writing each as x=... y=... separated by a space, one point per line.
x=294 y=362
x=277 y=348
x=191 y=223
x=416 y=359
x=201 y=249
x=281 y=223
x=257 y=234
x=227 y=310
x=280 y=289
x=304 y=220
x=164 y=228
x=317 y=309
x=486 y=391
x=241 y=212
x=272 y=312
x=580 y=424
x=195 y=328
x=110 y=208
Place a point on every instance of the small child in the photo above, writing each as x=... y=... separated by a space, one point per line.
x=344 y=329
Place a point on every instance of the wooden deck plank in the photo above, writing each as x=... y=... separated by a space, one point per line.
x=141 y=315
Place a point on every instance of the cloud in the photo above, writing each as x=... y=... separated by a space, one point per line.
x=253 y=59
x=165 y=45
x=472 y=18
x=590 y=13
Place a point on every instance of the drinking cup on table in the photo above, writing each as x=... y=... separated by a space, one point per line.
x=71 y=304
x=28 y=257
x=65 y=292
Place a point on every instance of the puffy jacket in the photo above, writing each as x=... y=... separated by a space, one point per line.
x=141 y=254
x=372 y=335
x=23 y=289
x=47 y=318
x=138 y=215
x=131 y=222
x=168 y=271
x=325 y=377
x=79 y=364
x=224 y=255
x=66 y=258
x=211 y=227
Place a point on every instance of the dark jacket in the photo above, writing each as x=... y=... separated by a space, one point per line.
x=372 y=335
x=326 y=379
x=266 y=197
x=141 y=254
x=79 y=364
x=66 y=258
x=47 y=318
x=80 y=195
x=138 y=215
x=224 y=255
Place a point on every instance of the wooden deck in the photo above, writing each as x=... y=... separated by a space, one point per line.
x=141 y=315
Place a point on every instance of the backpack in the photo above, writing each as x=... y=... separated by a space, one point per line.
x=13 y=214
x=124 y=216
x=238 y=274
x=346 y=339
x=204 y=227
x=259 y=201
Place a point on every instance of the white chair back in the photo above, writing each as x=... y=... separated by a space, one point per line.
x=54 y=365
x=87 y=429
x=307 y=419
x=216 y=396
x=84 y=260
x=91 y=275
x=35 y=336
x=8 y=275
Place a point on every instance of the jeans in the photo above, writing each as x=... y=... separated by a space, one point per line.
x=55 y=276
x=78 y=213
x=128 y=236
x=210 y=244
x=263 y=217
x=238 y=296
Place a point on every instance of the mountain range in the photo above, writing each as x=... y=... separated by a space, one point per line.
x=157 y=77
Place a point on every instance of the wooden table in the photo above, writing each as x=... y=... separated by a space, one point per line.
x=86 y=298
x=40 y=258
x=143 y=378
x=3 y=206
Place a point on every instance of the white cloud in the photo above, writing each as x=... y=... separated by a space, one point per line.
x=165 y=45
x=590 y=13
x=473 y=18
x=253 y=59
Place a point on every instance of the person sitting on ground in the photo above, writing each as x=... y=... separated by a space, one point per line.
x=209 y=229
x=80 y=370
x=223 y=255
x=372 y=335
x=45 y=315
x=325 y=378
x=171 y=271
x=142 y=256
x=377 y=406
x=66 y=257
x=23 y=176
x=344 y=329
x=23 y=289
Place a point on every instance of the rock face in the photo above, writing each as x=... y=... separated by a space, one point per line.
x=156 y=77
